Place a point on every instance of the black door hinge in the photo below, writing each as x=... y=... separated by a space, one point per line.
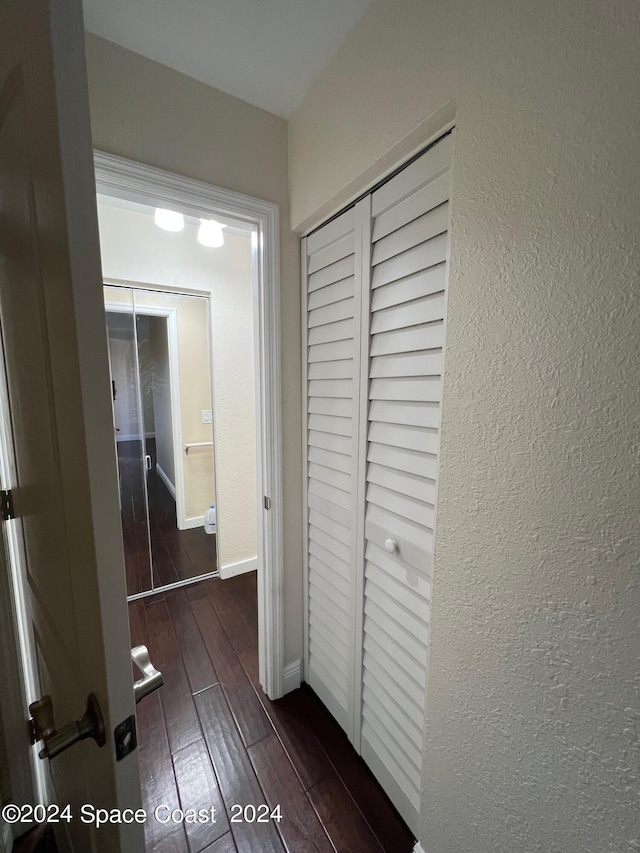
x=6 y=502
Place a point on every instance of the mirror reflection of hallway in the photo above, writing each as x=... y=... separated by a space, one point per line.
x=159 y=348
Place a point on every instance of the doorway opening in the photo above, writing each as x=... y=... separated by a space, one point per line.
x=124 y=186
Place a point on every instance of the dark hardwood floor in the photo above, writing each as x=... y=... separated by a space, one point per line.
x=176 y=554
x=210 y=736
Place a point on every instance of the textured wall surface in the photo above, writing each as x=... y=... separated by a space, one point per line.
x=135 y=249
x=147 y=112
x=532 y=739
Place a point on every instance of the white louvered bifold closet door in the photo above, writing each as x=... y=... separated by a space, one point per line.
x=374 y=314
x=409 y=242
x=332 y=351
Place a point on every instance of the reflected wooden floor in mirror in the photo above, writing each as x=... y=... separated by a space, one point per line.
x=177 y=554
x=210 y=736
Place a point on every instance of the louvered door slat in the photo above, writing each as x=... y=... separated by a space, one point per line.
x=336 y=443
x=382 y=663
x=322 y=602
x=427 y=363
x=331 y=552
x=338 y=369
x=330 y=424
x=320 y=609
x=423 y=310
x=405 y=412
x=331 y=274
x=424 y=170
x=337 y=461
x=330 y=313
x=423 y=228
x=331 y=293
x=413 y=286
x=400 y=459
x=334 y=406
x=411 y=717
x=433 y=194
x=418 y=258
x=331 y=351
x=332 y=527
x=413 y=339
x=403 y=436
x=405 y=482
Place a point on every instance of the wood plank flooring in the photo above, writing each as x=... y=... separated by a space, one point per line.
x=176 y=554
x=210 y=737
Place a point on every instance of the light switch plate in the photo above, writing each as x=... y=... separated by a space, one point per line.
x=206 y=416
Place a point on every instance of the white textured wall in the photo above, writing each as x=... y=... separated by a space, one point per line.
x=532 y=740
x=147 y=112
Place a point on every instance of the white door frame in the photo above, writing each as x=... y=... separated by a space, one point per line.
x=126 y=179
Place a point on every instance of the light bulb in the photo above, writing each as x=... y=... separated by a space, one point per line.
x=210 y=233
x=168 y=220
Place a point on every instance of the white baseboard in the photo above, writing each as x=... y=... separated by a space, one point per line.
x=134 y=437
x=165 y=479
x=190 y=523
x=418 y=848
x=240 y=568
x=292 y=676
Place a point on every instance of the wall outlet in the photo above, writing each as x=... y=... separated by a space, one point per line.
x=206 y=416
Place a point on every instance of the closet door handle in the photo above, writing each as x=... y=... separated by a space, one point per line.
x=391 y=546
x=152 y=679
x=147 y=462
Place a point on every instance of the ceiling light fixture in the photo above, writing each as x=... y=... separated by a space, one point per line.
x=168 y=220
x=210 y=233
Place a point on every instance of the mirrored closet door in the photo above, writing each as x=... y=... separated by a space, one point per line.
x=161 y=385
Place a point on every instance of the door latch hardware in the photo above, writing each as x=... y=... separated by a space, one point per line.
x=152 y=677
x=6 y=502
x=42 y=727
x=125 y=737
x=267 y=502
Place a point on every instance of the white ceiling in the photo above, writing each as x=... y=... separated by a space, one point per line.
x=267 y=52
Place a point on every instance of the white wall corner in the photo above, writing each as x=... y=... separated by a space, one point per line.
x=233 y=569
x=292 y=676
x=418 y=848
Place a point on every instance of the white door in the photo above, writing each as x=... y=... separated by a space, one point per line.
x=375 y=289
x=332 y=274
x=62 y=471
x=409 y=243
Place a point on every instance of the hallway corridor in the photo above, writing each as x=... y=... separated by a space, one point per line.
x=210 y=736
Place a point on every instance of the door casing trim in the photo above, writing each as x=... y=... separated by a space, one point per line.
x=126 y=179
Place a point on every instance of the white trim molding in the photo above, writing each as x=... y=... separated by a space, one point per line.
x=126 y=179
x=418 y=848
x=240 y=568
x=165 y=479
x=192 y=523
x=292 y=676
